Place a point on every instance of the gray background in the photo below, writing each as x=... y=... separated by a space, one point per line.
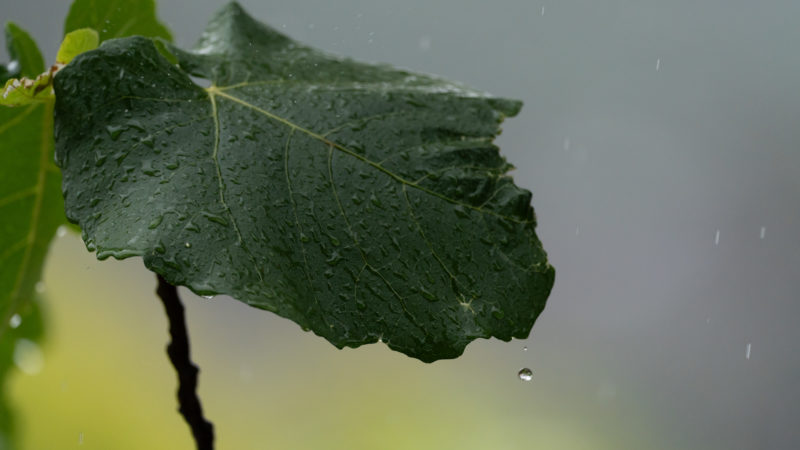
x=648 y=128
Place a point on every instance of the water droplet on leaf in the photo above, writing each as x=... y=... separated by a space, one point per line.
x=525 y=374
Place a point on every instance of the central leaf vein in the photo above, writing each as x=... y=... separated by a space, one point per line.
x=215 y=91
x=221 y=185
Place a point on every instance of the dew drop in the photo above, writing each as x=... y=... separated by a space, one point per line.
x=155 y=222
x=187 y=245
x=525 y=374
x=525 y=349
x=14 y=321
x=61 y=231
x=114 y=131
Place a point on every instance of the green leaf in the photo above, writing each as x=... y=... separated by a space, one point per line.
x=24 y=91
x=23 y=239
x=23 y=77
x=30 y=196
x=116 y=18
x=363 y=202
x=26 y=60
x=75 y=43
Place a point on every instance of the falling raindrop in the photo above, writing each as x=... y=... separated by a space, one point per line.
x=542 y=11
x=716 y=238
x=747 y=351
x=763 y=232
x=525 y=374
x=425 y=43
x=566 y=144
x=80 y=438
x=14 y=321
x=658 y=64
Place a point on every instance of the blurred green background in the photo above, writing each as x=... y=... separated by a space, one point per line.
x=106 y=382
x=660 y=140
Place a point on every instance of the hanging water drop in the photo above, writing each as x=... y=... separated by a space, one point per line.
x=525 y=374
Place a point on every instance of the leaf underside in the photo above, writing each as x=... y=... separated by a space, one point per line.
x=361 y=201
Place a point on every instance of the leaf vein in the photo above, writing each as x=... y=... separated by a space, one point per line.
x=216 y=91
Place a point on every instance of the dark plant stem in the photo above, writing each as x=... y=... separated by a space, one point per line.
x=178 y=351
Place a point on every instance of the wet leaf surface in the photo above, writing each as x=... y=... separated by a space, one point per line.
x=361 y=201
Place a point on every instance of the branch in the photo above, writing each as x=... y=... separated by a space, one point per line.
x=178 y=351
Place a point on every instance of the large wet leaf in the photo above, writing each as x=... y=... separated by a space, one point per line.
x=31 y=205
x=361 y=201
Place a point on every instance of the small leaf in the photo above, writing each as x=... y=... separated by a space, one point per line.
x=26 y=60
x=25 y=91
x=75 y=43
x=115 y=19
x=23 y=77
x=363 y=202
